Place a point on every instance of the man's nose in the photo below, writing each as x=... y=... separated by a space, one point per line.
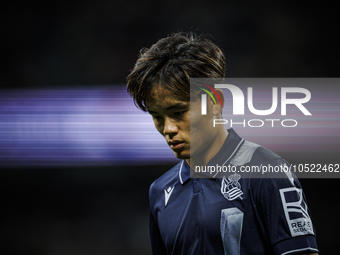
x=170 y=126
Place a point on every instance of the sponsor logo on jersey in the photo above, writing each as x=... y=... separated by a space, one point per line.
x=296 y=212
x=167 y=194
x=231 y=188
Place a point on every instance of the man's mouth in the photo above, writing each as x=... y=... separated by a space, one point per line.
x=175 y=144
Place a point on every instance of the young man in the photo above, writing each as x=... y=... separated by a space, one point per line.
x=232 y=215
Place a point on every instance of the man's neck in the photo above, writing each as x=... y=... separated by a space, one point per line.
x=204 y=157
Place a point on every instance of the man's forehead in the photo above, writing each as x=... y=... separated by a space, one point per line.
x=165 y=98
x=158 y=90
x=167 y=103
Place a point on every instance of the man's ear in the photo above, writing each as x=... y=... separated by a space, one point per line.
x=217 y=109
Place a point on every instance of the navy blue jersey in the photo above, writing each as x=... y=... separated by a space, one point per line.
x=230 y=214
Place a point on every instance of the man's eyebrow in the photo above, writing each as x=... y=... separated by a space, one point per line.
x=174 y=106
x=177 y=105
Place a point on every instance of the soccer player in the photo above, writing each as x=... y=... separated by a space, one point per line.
x=230 y=214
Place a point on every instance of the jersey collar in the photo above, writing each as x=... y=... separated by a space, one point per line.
x=223 y=156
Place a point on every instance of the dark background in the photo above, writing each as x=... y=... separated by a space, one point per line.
x=104 y=210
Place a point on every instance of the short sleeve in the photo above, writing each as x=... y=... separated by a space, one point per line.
x=284 y=213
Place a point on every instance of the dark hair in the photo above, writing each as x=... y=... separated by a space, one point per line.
x=171 y=62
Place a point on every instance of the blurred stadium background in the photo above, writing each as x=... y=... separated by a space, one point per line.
x=76 y=156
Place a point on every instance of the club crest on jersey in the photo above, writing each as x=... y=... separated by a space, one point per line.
x=231 y=188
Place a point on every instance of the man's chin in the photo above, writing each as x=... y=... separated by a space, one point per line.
x=182 y=154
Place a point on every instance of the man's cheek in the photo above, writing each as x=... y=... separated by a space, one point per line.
x=159 y=128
